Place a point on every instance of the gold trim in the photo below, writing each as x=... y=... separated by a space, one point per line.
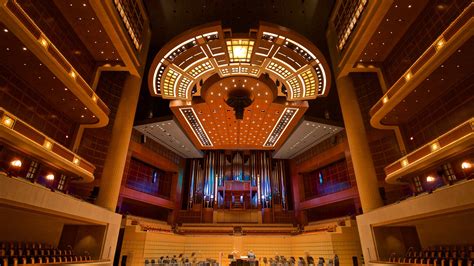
x=410 y=81
x=44 y=150
x=437 y=152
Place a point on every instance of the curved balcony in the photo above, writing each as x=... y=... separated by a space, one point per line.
x=456 y=141
x=401 y=99
x=22 y=136
x=34 y=40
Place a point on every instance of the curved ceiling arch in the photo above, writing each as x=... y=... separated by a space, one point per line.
x=185 y=62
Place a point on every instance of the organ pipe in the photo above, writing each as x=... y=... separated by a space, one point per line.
x=266 y=175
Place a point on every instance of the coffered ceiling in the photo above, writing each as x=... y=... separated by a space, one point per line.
x=211 y=123
x=239 y=90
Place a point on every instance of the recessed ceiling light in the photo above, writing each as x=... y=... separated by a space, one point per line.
x=24 y=49
x=5 y=30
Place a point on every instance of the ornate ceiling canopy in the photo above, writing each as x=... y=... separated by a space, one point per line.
x=255 y=84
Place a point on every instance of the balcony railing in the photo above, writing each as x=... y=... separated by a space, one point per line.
x=133 y=19
x=348 y=13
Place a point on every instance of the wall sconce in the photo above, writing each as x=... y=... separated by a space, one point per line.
x=404 y=162
x=430 y=179
x=50 y=177
x=14 y=167
x=43 y=42
x=440 y=44
x=15 y=163
x=7 y=121
x=47 y=145
x=466 y=165
x=434 y=146
x=467 y=169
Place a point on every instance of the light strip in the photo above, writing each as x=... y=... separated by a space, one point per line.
x=271 y=34
x=154 y=78
x=268 y=53
x=303 y=86
x=178 y=46
x=210 y=33
x=195 y=64
x=204 y=51
x=175 y=91
x=280 y=127
x=196 y=126
x=323 y=75
x=285 y=64
x=302 y=47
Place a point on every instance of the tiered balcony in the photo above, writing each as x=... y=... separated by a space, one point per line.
x=457 y=141
x=430 y=103
x=24 y=137
x=53 y=54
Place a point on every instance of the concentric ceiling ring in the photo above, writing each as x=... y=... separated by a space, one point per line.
x=199 y=53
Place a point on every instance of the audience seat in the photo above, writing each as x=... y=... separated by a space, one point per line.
x=12 y=253
x=438 y=256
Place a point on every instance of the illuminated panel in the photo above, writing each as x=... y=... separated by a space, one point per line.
x=157 y=77
x=180 y=48
x=211 y=36
x=309 y=83
x=240 y=50
x=279 y=69
x=132 y=18
x=200 y=69
x=224 y=71
x=169 y=82
x=321 y=79
x=295 y=87
x=285 y=119
x=347 y=16
x=196 y=126
x=268 y=36
x=183 y=87
x=254 y=71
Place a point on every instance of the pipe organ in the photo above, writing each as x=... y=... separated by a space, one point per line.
x=237 y=180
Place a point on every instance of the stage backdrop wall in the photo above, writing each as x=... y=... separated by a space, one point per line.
x=139 y=245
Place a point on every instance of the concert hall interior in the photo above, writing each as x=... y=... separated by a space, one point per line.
x=238 y=132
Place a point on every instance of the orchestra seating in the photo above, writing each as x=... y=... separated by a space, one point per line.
x=438 y=256
x=12 y=253
x=180 y=260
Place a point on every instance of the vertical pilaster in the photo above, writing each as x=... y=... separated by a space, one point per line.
x=364 y=169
